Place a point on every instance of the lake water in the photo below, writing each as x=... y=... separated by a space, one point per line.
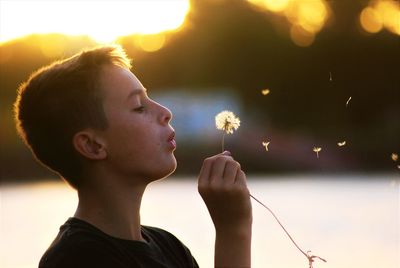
x=352 y=221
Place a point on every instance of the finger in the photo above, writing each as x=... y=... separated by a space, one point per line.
x=230 y=172
x=241 y=179
x=217 y=170
x=205 y=171
x=226 y=153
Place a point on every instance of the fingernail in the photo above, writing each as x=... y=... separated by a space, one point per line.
x=226 y=153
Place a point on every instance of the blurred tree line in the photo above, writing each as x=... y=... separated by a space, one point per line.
x=232 y=45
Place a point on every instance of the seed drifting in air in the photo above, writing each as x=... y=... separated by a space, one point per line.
x=395 y=157
x=317 y=150
x=347 y=102
x=340 y=144
x=265 y=144
x=265 y=91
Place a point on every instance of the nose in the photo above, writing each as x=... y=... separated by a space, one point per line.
x=165 y=114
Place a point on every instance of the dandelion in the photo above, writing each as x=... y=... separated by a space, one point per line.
x=340 y=144
x=265 y=144
x=265 y=91
x=317 y=150
x=228 y=122
x=347 y=102
x=395 y=157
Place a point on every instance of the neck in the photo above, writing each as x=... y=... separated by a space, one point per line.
x=114 y=209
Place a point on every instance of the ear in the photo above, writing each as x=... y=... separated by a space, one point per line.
x=89 y=145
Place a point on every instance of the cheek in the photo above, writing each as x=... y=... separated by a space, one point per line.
x=134 y=142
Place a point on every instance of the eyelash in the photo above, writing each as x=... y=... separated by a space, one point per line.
x=139 y=109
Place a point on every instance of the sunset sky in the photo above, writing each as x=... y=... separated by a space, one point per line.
x=106 y=20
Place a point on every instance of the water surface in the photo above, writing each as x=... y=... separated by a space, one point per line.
x=352 y=221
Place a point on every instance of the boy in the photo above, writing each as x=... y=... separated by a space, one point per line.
x=89 y=119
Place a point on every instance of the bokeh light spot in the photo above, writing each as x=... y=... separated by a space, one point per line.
x=379 y=15
x=309 y=15
x=312 y=16
x=301 y=37
x=276 y=5
x=150 y=43
x=370 y=20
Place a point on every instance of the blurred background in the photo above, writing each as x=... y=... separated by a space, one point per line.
x=298 y=73
x=201 y=57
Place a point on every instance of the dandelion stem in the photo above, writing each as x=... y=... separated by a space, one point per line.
x=310 y=258
x=276 y=218
x=223 y=141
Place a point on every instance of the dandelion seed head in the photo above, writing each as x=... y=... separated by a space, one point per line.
x=340 y=144
x=395 y=157
x=227 y=121
x=265 y=91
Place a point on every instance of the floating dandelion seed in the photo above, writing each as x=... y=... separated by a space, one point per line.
x=398 y=166
x=347 y=102
x=340 y=144
x=395 y=157
x=228 y=122
x=317 y=150
x=265 y=144
x=330 y=76
x=265 y=91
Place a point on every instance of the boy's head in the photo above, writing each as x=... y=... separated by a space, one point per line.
x=60 y=111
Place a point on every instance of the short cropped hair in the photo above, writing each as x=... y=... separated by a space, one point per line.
x=61 y=99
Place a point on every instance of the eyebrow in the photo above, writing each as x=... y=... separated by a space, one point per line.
x=136 y=91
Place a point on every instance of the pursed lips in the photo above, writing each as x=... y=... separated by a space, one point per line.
x=171 y=139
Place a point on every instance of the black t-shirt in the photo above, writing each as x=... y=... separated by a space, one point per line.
x=80 y=244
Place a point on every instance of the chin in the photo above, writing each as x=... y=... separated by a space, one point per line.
x=171 y=170
x=168 y=170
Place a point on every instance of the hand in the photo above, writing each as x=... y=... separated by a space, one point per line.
x=222 y=185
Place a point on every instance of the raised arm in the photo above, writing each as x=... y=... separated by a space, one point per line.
x=223 y=187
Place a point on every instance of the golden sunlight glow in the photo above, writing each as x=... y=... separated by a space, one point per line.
x=271 y=5
x=150 y=43
x=381 y=14
x=275 y=5
x=307 y=18
x=104 y=20
x=55 y=48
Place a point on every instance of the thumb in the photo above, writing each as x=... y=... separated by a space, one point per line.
x=226 y=153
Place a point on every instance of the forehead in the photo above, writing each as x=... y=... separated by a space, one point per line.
x=118 y=82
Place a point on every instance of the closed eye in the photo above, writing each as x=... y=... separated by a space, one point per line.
x=139 y=109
